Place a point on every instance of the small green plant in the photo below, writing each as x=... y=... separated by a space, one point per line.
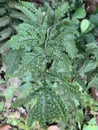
x=46 y=55
x=41 y=55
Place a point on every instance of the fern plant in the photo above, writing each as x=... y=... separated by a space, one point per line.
x=42 y=54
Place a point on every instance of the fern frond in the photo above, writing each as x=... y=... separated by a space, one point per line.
x=28 y=13
x=62 y=80
x=4 y=21
x=48 y=109
x=30 y=60
x=12 y=61
x=5 y=34
x=19 y=42
x=61 y=10
x=34 y=15
x=38 y=14
x=71 y=48
x=22 y=100
x=18 y=16
x=55 y=108
x=2 y=11
x=87 y=67
x=93 y=82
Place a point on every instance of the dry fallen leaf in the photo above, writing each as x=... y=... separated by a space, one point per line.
x=16 y=115
x=5 y=127
x=14 y=82
x=54 y=127
x=8 y=103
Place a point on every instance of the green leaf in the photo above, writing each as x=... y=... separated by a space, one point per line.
x=5 y=34
x=61 y=10
x=92 y=45
x=9 y=93
x=89 y=37
x=49 y=108
x=93 y=82
x=50 y=16
x=29 y=6
x=17 y=15
x=84 y=25
x=91 y=127
x=92 y=121
x=79 y=13
x=28 y=13
x=18 y=42
x=2 y=11
x=4 y=21
x=12 y=61
x=94 y=19
x=95 y=52
x=79 y=116
x=71 y=48
x=90 y=66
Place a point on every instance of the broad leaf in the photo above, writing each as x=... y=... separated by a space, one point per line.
x=84 y=25
x=79 y=13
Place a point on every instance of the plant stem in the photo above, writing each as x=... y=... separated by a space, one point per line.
x=45 y=71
